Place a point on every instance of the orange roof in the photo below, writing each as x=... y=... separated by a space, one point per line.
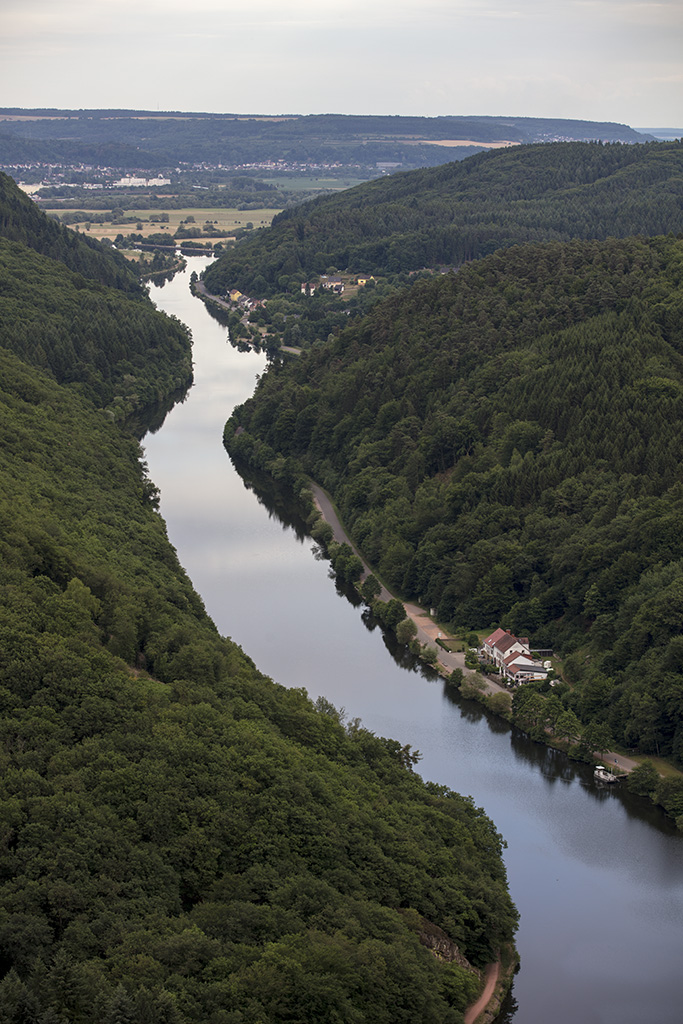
x=495 y=636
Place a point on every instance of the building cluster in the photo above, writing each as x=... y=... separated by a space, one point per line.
x=243 y=301
x=129 y=181
x=513 y=658
x=332 y=284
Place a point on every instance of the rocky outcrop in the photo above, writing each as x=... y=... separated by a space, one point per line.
x=443 y=948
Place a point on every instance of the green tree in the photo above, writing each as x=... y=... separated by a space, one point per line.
x=596 y=738
x=456 y=677
x=430 y=654
x=371 y=588
x=643 y=780
x=406 y=630
x=568 y=726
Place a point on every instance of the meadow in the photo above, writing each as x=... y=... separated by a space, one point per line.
x=229 y=220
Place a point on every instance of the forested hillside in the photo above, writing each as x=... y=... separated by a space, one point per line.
x=453 y=213
x=136 y=139
x=21 y=221
x=117 y=350
x=504 y=444
x=181 y=839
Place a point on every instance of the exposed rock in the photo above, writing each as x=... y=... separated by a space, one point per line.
x=439 y=944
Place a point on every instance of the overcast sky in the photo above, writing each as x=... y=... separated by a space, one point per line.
x=604 y=60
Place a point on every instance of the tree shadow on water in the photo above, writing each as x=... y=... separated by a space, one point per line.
x=278 y=501
x=151 y=419
x=508 y=1009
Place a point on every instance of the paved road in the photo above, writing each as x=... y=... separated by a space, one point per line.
x=201 y=288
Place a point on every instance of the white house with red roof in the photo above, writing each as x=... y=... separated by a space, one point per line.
x=512 y=656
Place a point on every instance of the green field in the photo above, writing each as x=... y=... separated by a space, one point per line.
x=308 y=184
x=223 y=219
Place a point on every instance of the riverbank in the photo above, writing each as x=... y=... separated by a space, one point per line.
x=487 y=1005
x=199 y=290
x=474 y=685
x=576 y=856
x=427 y=630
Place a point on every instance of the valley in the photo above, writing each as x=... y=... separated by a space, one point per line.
x=231 y=789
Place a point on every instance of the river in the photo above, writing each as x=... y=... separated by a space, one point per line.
x=597 y=875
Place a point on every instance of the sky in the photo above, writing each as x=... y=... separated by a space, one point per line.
x=601 y=60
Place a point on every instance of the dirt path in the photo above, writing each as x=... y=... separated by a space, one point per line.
x=491 y=973
x=427 y=630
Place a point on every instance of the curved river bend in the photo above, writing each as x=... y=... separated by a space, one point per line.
x=597 y=876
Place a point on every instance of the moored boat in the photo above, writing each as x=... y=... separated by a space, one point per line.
x=603 y=774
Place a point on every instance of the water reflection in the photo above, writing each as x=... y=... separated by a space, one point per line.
x=277 y=501
x=153 y=417
x=508 y=1009
x=552 y=765
x=598 y=882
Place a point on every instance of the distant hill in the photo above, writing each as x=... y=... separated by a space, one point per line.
x=459 y=211
x=158 y=141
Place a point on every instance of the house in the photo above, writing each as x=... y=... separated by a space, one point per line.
x=512 y=657
x=364 y=278
x=519 y=668
x=334 y=284
x=307 y=288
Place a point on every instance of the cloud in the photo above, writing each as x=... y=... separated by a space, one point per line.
x=599 y=59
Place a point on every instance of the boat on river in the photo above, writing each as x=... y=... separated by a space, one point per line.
x=603 y=774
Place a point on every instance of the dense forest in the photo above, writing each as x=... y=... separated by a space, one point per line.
x=115 y=349
x=21 y=221
x=504 y=445
x=133 y=139
x=181 y=839
x=459 y=211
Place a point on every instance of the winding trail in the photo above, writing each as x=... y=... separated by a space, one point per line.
x=427 y=630
x=491 y=973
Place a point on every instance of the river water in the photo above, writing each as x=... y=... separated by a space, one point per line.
x=597 y=875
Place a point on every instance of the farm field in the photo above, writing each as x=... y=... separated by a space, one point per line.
x=308 y=184
x=221 y=219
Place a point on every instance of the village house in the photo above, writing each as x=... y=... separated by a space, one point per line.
x=334 y=284
x=512 y=656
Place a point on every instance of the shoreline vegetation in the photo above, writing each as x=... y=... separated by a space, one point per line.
x=429 y=640
x=183 y=839
x=431 y=637
x=499 y=444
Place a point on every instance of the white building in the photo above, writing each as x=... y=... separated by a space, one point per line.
x=512 y=657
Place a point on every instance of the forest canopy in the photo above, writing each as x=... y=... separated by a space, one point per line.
x=504 y=445
x=181 y=839
x=456 y=212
